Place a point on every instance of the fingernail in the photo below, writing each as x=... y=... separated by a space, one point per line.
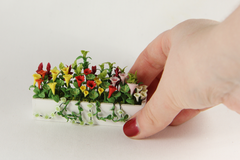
x=130 y=128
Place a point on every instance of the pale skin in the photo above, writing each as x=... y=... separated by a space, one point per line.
x=189 y=68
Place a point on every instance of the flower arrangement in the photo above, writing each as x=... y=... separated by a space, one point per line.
x=81 y=83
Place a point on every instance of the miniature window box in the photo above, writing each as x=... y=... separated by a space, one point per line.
x=85 y=96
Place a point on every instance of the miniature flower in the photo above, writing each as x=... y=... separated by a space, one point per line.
x=132 y=87
x=39 y=81
x=116 y=72
x=111 y=90
x=98 y=82
x=80 y=79
x=43 y=73
x=84 y=53
x=137 y=95
x=63 y=99
x=65 y=70
x=36 y=76
x=40 y=67
x=48 y=68
x=52 y=86
x=67 y=78
x=83 y=88
x=69 y=69
x=100 y=90
x=143 y=95
x=87 y=71
x=120 y=111
x=89 y=105
x=55 y=73
x=123 y=77
x=144 y=87
x=91 y=84
x=94 y=69
x=139 y=88
x=85 y=93
x=114 y=80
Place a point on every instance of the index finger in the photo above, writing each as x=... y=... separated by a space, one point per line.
x=152 y=59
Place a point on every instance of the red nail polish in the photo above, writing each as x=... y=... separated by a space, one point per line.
x=130 y=128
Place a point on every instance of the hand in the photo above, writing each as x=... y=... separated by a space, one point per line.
x=187 y=71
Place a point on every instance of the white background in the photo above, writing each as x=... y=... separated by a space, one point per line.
x=116 y=31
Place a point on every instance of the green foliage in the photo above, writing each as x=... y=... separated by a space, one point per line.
x=90 y=77
x=132 y=78
x=93 y=95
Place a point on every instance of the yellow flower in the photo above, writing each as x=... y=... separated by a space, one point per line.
x=98 y=82
x=36 y=76
x=55 y=73
x=100 y=90
x=83 y=88
x=65 y=70
x=96 y=78
x=52 y=86
x=85 y=93
x=67 y=78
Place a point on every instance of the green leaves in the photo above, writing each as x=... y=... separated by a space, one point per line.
x=90 y=77
x=93 y=95
x=105 y=85
x=125 y=88
x=75 y=91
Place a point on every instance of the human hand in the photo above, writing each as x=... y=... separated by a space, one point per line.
x=187 y=71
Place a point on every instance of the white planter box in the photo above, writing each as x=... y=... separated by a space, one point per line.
x=44 y=109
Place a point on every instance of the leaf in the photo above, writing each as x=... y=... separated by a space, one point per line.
x=56 y=98
x=125 y=88
x=32 y=86
x=79 y=57
x=90 y=77
x=98 y=104
x=35 y=96
x=75 y=91
x=46 y=87
x=105 y=85
x=60 y=82
x=80 y=109
x=75 y=84
x=36 y=90
x=130 y=101
x=93 y=95
x=111 y=100
x=109 y=117
x=41 y=95
x=61 y=66
x=116 y=94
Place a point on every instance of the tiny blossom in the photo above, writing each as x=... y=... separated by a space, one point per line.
x=143 y=95
x=139 y=88
x=83 y=88
x=85 y=93
x=36 y=76
x=63 y=99
x=120 y=111
x=144 y=87
x=91 y=84
x=100 y=90
x=114 y=80
x=137 y=95
x=123 y=76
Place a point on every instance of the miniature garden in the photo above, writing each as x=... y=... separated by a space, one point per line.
x=82 y=83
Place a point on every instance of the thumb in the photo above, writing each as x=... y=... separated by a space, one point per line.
x=156 y=115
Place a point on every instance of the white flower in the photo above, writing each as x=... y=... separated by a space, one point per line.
x=144 y=87
x=63 y=100
x=120 y=111
x=143 y=95
x=139 y=88
x=137 y=95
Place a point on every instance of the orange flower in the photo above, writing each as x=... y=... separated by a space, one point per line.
x=43 y=73
x=39 y=81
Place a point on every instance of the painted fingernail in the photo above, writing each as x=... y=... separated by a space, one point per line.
x=130 y=128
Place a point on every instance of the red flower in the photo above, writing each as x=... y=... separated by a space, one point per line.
x=111 y=90
x=80 y=79
x=117 y=72
x=87 y=71
x=94 y=69
x=91 y=84
x=69 y=70
x=48 y=69
x=40 y=67
x=43 y=73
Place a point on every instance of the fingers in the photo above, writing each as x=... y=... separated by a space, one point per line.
x=157 y=114
x=185 y=115
x=152 y=60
